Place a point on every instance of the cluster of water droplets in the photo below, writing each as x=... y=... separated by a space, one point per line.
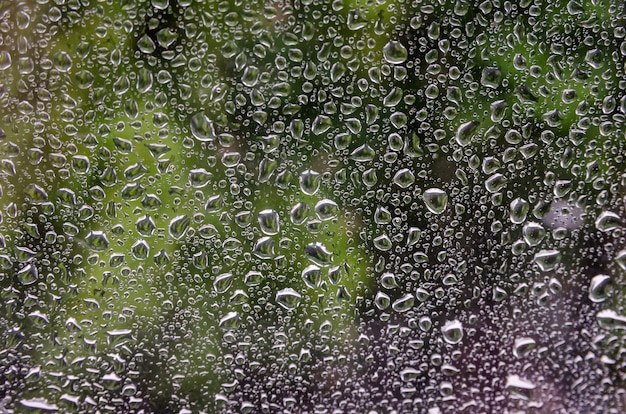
x=297 y=206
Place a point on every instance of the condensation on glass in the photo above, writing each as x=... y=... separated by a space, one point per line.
x=312 y=206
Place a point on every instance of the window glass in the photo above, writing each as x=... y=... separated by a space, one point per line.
x=305 y=206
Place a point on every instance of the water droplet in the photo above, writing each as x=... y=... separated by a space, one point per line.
x=599 y=288
x=523 y=346
x=178 y=226
x=364 y=153
x=269 y=222
x=388 y=280
x=230 y=321
x=326 y=209
x=547 y=259
x=36 y=194
x=608 y=221
x=62 y=61
x=264 y=248
x=299 y=213
x=140 y=250
x=436 y=200
x=28 y=275
x=312 y=276
x=491 y=77
x=97 y=241
x=403 y=303
x=533 y=233
x=519 y=210
x=318 y=254
x=383 y=243
x=310 y=182
x=395 y=53
x=609 y=319
x=465 y=132
x=382 y=301
x=409 y=374
x=452 y=332
x=288 y=298
x=321 y=124
x=223 y=282
x=413 y=236
x=202 y=127
x=145 y=226
x=404 y=178
x=39 y=404
x=520 y=387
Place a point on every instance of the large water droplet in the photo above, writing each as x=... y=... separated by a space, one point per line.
x=199 y=177
x=264 y=248
x=599 y=288
x=608 y=221
x=178 y=226
x=609 y=319
x=519 y=210
x=28 y=275
x=409 y=374
x=202 y=127
x=403 y=303
x=547 y=259
x=436 y=200
x=299 y=213
x=533 y=233
x=383 y=243
x=326 y=209
x=452 y=332
x=395 y=53
x=310 y=182
x=269 y=222
x=223 y=282
x=318 y=254
x=97 y=241
x=465 y=132
x=521 y=388
x=39 y=405
x=312 y=276
x=230 y=320
x=523 y=346
x=404 y=178
x=288 y=298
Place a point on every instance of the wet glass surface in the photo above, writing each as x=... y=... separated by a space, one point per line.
x=309 y=206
